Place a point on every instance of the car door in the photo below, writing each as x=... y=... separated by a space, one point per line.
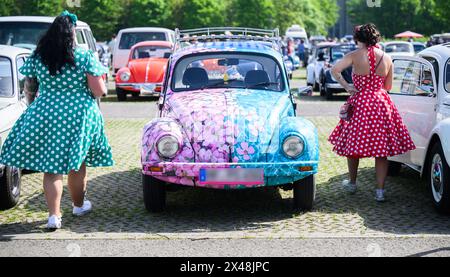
x=414 y=93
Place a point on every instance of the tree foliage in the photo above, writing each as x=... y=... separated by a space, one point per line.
x=108 y=16
x=423 y=16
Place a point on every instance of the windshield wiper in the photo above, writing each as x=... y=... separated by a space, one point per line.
x=265 y=84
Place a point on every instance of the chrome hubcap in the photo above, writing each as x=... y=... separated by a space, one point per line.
x=15 y=181
x=437 y=178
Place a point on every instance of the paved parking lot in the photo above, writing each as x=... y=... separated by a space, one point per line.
x=198 y=214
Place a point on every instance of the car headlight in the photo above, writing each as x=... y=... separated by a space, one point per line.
x=168 y=147
x=293 y=146
x=125 y=76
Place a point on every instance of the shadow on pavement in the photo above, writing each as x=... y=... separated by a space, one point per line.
x=119 y=208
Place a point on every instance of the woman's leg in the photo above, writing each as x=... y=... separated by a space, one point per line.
x=53 y=189
x=381 y=165
x=353 y=165
x=77 y=182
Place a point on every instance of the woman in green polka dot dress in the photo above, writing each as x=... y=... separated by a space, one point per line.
x=62 y=132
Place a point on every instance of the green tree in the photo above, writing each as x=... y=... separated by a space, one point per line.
x=102 y=15
x=188 y=14
x=8 y=7
x=423 y=16
x=145 y=13
x=253 y=13
x=38 y=7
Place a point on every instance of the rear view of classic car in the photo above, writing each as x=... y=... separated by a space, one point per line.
x=228 y=120
x=328 y=85
x=145 y=70
x=12 y=105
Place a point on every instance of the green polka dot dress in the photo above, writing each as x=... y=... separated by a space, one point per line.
x=64 y=127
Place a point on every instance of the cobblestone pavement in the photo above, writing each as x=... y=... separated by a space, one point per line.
x=198 y=214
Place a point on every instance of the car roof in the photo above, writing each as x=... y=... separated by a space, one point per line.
x=146 y=29
x=441 y=51
x=398 y=42
x=153 y=43
x=12 y=52
x=39 y=19
x=228 y=46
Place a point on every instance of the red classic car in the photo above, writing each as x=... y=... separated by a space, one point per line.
x=144 y=73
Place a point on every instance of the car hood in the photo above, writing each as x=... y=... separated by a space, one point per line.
x=3 y=105
x=148 y=70
x=230 y=125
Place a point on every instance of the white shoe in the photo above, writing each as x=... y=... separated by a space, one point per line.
x=80 y=211
x=54 y=222
x=379 y=196
x=349 y=187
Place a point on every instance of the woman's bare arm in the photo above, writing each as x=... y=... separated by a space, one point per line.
x=97 y=86
x=389 y=78
x=30 y=89
x=337 y=70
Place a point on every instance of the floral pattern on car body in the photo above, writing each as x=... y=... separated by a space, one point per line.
x=229 y=128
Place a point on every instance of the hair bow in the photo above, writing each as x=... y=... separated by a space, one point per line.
x=73 y=18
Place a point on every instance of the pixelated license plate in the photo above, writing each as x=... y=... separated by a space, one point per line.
x=231 y=176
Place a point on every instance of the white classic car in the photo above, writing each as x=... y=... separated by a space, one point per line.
x=399 y=48
x=421 y=91
x=12 y=105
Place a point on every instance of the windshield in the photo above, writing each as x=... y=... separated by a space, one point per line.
x=6 y=79
x=418 y=48
x=146 y=52
x=228 y=71
x=129 y=39
x=447 y=76
x=398 y=48
x=22 y=34
x=339 y=52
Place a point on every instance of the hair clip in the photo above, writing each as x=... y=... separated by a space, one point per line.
x=73 y=18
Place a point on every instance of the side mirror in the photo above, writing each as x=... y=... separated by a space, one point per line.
x=305 y=91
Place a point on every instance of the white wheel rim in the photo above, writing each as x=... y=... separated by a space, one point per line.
x=437 y=178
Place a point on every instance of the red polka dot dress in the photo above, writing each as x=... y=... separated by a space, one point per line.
x=376 y=128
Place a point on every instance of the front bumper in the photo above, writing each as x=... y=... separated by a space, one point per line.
x=145 y=89
x=187 y=174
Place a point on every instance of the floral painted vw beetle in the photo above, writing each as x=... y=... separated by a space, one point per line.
x=228 y=120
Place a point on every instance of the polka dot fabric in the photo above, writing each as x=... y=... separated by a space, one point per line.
x=376 y=128
x=64 y=127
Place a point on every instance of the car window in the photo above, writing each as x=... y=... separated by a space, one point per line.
x=22 y=34
x=397 y=48
x=6 y=78
x=80 y=37
x=90 y=40
x=412 y=78
x=146 y=52
x=228 y=71
x=447 y=76
x=129 y=39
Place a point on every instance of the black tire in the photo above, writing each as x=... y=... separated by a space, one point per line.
x=321 y=90
x=305 y=194
x=328 y=93
x=135 y=94
x=154 y=194
x=316 y=86
x=394 y=168
x=121 y=95
x=443 y=204
x=10 y=184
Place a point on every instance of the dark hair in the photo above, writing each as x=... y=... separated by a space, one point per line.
x=368 y=34
x=55 y=48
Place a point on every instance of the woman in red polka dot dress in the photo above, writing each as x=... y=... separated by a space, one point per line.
x=370 y=126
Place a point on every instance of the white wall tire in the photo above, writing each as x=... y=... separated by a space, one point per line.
x=439 y=179
x=10 y=186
